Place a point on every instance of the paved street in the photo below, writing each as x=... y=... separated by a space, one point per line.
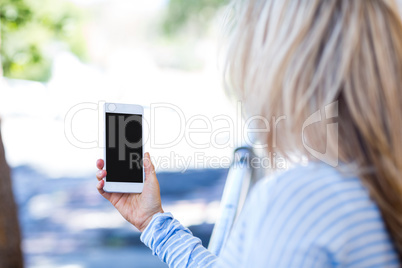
x=66 y=223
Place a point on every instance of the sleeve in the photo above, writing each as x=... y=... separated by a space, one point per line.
x=174 y=244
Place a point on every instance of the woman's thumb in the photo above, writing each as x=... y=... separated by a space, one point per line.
x=149 y=168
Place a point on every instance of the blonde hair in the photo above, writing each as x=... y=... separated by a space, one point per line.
x=294 y=57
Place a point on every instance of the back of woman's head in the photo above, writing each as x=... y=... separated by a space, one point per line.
x=294 y=57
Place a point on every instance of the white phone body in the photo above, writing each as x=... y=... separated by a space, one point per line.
x=123 y=187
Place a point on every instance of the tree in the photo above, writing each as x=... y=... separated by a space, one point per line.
x=10 y=237
x=183 y=24
x=198 y=13
x=32 y=31
x=28 y=31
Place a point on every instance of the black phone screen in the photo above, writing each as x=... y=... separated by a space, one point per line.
x=124 y=161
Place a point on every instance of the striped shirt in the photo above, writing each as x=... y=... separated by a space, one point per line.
x=309 y=216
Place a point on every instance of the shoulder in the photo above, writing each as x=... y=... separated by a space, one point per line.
x=314 y=193
x=311 y=216
x=304 y=183
x=318 y=208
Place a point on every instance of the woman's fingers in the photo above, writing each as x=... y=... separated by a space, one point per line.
x=100 y=174
x=100 y=163
x=99 y=186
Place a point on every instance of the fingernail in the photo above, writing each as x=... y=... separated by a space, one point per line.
x=99 y=173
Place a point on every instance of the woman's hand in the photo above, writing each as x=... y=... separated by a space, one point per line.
x=137 y=209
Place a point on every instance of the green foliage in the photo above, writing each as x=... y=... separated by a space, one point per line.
x=184 y=24
x=33 y=30
x=196 y=12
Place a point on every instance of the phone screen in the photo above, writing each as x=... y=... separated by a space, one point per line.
x=124 y=161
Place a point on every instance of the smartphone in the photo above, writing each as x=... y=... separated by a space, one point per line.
x=124 y=152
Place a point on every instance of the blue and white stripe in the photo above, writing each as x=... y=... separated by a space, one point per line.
x=309 y=216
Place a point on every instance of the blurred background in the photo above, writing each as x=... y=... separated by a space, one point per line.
x=56 y=54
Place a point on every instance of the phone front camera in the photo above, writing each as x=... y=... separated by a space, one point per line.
x=111 y=107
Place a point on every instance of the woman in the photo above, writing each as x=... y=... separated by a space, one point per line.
x=293 y=58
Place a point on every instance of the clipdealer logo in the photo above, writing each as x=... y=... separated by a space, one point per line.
x=239 y=132
x=330 y=111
